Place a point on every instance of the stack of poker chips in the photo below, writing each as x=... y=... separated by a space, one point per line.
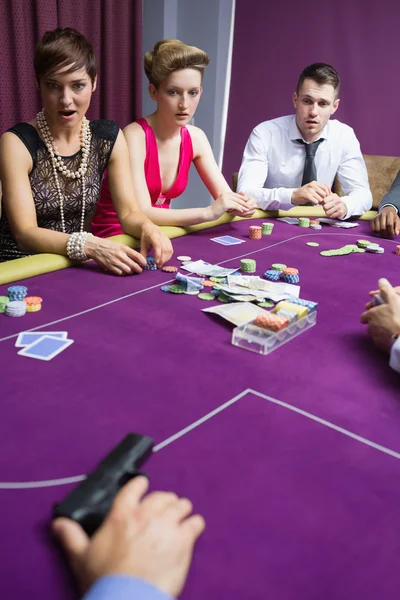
x=4 y=300
x=398 y=250
x=312 y=306
x=151 y=264
x=272 y=275
x=287 y=305
x=290 y=275
x=266 y=228
x=33 y=303
x=270 y=321
x=315 y=224
x=15 y=308
x=255 y=232
x=17 y=292
x=375 y=249
x=248 y=265
x=304 y=222
x=278 y=267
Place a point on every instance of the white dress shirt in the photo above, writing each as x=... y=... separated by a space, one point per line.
x=395 y=356
x=273 y=164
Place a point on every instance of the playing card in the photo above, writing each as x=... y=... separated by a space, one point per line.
x=227 y=240
x=26 y=338
x=45 y=348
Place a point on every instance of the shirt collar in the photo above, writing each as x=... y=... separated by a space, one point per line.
x=294 y=132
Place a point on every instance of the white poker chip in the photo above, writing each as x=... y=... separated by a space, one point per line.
x=184 y=258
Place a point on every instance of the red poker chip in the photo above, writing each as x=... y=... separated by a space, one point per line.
x=169 y=269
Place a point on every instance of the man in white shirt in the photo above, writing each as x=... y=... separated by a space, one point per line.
x=387 y=221
x=384 y=321
x=293 y=160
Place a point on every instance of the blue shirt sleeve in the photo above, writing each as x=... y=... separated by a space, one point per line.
x=124 y=587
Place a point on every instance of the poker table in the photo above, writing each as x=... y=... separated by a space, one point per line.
x=291 y=457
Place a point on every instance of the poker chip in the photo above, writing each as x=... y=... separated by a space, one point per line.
x=224 y=298
x=363 y=243
x=248 y=265
x=206 y=296
x=151 y=264
x=266 y=228
x=15 y=308
x=177 y=288
x=270 y=321
x=272 y=275
x=219 y=279
x=165 y=288
x=255 y=232
x=4 y=300
x=17 y=292
x=33 y=303
x=312 y=244
x=288 y=278
x=265 y=304
x=304 y=222
x=278 y=267
x=319 y=226
x=207 y=283
x=184 y=258
x=290 y=315
x=375 y=249
x=215 y=292
x=169 y=269
x=191 y=292
x=307 y=303
x=290 y=271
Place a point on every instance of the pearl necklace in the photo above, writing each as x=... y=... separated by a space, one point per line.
x=58 y=163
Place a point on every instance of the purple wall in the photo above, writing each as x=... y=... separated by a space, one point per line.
x=273 y=42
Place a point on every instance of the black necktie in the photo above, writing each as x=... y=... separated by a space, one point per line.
x=310 y=172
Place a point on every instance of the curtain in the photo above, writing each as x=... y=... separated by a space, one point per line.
x=113 y=26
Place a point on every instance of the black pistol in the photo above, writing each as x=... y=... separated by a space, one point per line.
x=89 y=503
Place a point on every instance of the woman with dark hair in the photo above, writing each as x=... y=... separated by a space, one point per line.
x=51 y=169
x=163 y=146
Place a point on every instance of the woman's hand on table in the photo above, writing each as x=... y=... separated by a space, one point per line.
x=115 y=258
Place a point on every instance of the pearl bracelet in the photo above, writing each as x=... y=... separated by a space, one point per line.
x=76 y=245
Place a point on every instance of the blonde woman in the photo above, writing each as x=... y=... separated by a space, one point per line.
x=162 y=146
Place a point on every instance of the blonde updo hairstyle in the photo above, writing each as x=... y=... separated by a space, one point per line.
x=168 y=56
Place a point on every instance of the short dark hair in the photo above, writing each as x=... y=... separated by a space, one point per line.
x=63 y=47
x=321 y=73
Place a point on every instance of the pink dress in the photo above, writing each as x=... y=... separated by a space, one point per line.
x=105 y=222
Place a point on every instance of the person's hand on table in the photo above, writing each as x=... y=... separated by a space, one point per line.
x=149 y=537
x=334 y=207
x=387 y=222
x=372 y=293
x=228 y=202
x=116 y=258
x=312 y=192
x=153 y=237
x=251 y=207
x=384 y=320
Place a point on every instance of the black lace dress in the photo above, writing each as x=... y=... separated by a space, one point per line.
x=44 y=191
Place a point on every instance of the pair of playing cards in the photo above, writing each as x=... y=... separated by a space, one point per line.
x=227 y=240
x=43 y=345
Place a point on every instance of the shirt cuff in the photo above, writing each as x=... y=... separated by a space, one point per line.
x=124 y=587
x=395 y=356
x=389 y=204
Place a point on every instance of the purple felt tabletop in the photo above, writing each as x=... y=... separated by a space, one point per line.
x=291 y=457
